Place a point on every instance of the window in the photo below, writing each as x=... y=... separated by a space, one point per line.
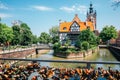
x=64 y=28
x=75 y=27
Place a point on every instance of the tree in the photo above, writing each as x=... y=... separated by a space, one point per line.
x=26 y=34
x=67 y=43
x=107 y=33
x=54 y=31
x=85 y=45
x=88 y=36
x=6 y=34
x=34 y=39
x=44 y=38
x=17 y=34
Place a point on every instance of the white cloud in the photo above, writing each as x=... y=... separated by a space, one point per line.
x=75 y=8
x=68 y=9
x=3 y=6
x=116 y=0
x=42 y=8
x=3 y=15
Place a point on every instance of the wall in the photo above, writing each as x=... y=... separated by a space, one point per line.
x=77 y=55
x=18 y=54
x=115 y=51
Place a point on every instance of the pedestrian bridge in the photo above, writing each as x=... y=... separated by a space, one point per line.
x=44 y=47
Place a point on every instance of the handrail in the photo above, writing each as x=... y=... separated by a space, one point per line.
x=88 y=63
x=64 y=61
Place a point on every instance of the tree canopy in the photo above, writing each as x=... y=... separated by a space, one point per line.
x=54 y=31
x=44 y=38
x=108 y=32
x=6 y=34
x=22 y=34
x=87 y=36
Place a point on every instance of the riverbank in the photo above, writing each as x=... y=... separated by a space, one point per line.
x=79 y=54
x=115 y=51
x=30 y=56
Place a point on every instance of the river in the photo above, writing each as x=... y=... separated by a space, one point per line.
x=102 y=55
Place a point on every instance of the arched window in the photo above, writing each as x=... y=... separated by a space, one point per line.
x=75 y=27
x=64 y=28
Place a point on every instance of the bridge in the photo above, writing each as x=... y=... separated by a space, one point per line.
x=44 y=47
x=103 y=46
x=88 y=63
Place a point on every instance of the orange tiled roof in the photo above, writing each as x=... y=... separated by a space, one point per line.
x=76 y=19
x=65 y=26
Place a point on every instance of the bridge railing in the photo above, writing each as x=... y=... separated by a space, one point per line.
x=88 y=63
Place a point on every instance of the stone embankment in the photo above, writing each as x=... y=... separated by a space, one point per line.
x=115 y=51
x=17 y=54
x=81 y=54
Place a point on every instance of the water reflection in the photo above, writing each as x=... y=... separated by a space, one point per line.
x=103 y=55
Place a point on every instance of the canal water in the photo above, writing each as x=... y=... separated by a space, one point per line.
x=102 y=55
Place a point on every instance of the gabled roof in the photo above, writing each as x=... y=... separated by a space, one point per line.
x=65 y=26
x=76 y=19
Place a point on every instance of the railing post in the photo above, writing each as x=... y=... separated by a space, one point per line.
x=88 y=65
x=36 y=50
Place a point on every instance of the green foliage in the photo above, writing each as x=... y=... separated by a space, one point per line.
x=56 y=47
x=107 y=33
x=54 y=31
x=22 y=34
x=68 y=51
x=44 y=38
x=78 y=44
x=84 y=45
x=17 y=35
x=6 y=34
x=67 y=43
x=34 y=39
x=89 y=37
x=26 y=34
x=55 y=39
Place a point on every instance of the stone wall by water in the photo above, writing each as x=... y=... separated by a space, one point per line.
x=81 y=54
x=115 y=51
x=18 y=54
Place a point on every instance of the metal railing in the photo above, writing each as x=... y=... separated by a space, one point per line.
x=88 y=63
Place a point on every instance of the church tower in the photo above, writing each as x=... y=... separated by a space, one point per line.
x=91 y=15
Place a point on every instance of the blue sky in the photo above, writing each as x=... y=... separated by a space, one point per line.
x=41 y=15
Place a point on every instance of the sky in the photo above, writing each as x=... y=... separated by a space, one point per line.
x=41 y=15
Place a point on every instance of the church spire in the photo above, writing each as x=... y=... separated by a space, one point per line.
x=91 y=8
x=91 y=15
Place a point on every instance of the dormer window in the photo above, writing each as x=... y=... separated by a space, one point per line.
x=64 y=28
x=75 y=27
x=88 y=27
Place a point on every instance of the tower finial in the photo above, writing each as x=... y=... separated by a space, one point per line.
x=91 y=8
x=90 y=2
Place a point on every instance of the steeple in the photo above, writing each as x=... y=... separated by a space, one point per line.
x=91 y=15
x=91 y=8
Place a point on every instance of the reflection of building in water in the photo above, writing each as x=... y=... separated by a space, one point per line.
x=72 y=29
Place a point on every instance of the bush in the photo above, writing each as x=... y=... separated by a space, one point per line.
x=56 y=47
x=68 y=51
x=85 y=45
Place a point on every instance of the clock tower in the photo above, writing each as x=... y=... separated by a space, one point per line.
x=91 y=15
